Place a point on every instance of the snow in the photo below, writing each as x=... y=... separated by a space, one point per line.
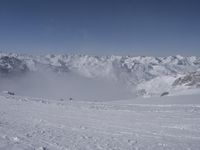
x=131 y=71
x=157 y=85
x=90 y=103
x=155 y=123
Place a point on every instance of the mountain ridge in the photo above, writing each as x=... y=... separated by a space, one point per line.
x=130 y=70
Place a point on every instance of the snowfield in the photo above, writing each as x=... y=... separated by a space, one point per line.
x=156 y=123
x=99 y=102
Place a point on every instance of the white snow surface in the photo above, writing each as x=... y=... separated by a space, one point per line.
x=157 y=85
x=89 y=106
x=156 y=123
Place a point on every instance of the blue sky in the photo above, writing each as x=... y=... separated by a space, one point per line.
x=101 y=27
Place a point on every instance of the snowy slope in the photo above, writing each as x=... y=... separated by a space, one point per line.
x=139 y=124
x=90 y=120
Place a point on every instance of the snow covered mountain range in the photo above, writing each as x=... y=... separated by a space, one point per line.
x=149 y=75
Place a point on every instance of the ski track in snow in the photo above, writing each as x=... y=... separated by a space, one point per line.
x=41 y=124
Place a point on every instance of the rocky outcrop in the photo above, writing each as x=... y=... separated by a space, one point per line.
x=12 y=66
x=192 y=79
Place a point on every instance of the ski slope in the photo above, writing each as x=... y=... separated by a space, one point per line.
x=136 y=124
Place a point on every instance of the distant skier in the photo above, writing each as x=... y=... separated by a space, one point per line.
x=70 y=99
x=8 y=92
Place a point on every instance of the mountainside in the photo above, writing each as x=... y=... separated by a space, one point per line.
x=141 y=71
x=192 y=79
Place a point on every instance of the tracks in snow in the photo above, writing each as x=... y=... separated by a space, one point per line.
x=28 y=123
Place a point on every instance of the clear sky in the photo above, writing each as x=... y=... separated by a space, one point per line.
x=101 y=27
